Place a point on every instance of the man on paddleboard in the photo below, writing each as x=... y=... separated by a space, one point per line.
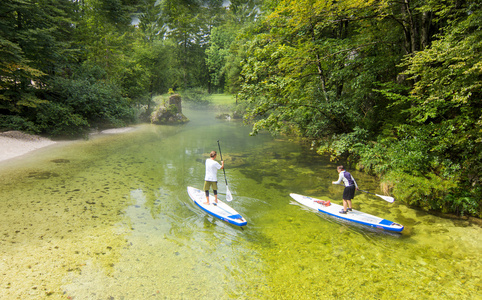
x=350 y=187
x=211 y=178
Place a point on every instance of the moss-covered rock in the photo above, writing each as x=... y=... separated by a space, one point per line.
x=170 y=112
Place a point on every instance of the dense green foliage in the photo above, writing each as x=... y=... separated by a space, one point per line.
x=59 y=66
x=67 y=66
x=392 y=87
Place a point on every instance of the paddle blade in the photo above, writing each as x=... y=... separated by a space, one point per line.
x=386 y=198
x=229 y=197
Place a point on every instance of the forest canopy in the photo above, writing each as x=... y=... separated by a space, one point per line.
x=391 y=87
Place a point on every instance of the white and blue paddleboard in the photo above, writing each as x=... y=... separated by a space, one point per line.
x=353 y=216
x=221 y=211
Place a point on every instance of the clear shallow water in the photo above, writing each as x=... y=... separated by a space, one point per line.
x=110 y=218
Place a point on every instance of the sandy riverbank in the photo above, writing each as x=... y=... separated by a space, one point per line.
x=15 y=143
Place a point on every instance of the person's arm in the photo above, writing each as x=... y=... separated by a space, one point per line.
x=356 y=185
x=340 y=178
x=222 y=164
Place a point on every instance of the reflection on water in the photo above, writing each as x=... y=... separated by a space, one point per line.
x=110 y=218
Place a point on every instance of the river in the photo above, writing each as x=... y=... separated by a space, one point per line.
x=110 y=218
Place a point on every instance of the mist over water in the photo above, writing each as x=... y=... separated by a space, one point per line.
x=110 y=218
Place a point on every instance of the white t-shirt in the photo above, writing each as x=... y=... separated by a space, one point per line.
x=212 y=168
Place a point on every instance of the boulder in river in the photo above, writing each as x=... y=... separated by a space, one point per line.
x=170 y=112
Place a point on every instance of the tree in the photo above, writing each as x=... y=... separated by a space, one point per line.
x=217 y=54
x=223 y=56
x=35 y=39
x=152 y=21
x=308 y=60
x=444 y=116
x=332 y=73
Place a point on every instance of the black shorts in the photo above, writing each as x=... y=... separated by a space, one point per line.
x=349 y=192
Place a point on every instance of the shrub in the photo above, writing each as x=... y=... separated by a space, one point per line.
x=15 y=122
x=97 y=102
x=427 y=192
x=60 y=120
x=343 y=144
x=462 y=203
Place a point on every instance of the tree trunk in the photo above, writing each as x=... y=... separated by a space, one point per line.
x=412 y=26
x=318 y=65
x=425 y=29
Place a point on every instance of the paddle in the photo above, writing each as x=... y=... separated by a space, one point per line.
x=229 y=197
x=386 y=198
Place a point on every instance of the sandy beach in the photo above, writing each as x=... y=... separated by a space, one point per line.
x=15 y=143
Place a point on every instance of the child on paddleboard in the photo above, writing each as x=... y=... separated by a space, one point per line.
x=211 y=178
x=350 y=187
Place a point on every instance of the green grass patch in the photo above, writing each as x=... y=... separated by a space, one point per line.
x=214 y=99
x=223 y=99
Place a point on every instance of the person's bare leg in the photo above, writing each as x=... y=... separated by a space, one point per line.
x=207 y=200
